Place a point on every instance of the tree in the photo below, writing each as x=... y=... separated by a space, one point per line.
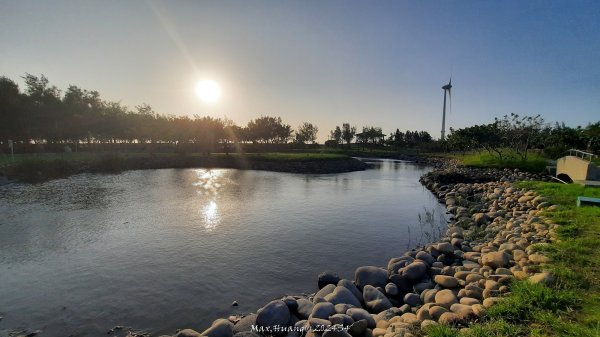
x=348 y=133
x=336 y=135
x=306 y=133
x=520 y=133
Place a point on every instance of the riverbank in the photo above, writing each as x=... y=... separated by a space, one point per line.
x=492 y=255
x=41 y=168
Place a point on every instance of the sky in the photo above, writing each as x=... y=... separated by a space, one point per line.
x=368 y=63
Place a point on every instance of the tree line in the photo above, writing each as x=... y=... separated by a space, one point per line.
x=43 y=114
x=514 y=136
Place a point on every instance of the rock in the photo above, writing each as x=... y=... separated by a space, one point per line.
x=221 y=328
x=445 y=248
x=319 y=323
x=428 y=296
x=450 y=318
x=403 y=284
x=398 y=263
x=375 y=300
x=410 y=318
x=539 y=258
x=463 y=310
x=474 y=278
x=469 y=301
x=247 y=334
x=424 y=285
x=358 y=328
x=386 y=315
x=322 y=310
x=245 y=324
x=496 y=259
x=188 y=333
x=275 y=313
x=446 y=281
x=445 y=298
x=342 y=295
x=326 y=278
x=428 y=323
x=412 y=299
x=342 y=308
x=291 y=303
x=342 y=319
x=370 y=275
x=525 y=199
x=414 y=271
x=425 y=257
x=379 y=332
x=336 y=331
x=542 y=278
x=326 y=290
x=488 y=302
x=357 y=314
x=391 y=289
x=352 y=287
x=436 y=311
x=305 y=308
x=480 y=218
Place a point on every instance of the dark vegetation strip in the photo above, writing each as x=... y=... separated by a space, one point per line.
x=32 y=169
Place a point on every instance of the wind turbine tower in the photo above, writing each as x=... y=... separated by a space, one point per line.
x=446 y=89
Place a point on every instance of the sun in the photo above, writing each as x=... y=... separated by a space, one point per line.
x=208 y=91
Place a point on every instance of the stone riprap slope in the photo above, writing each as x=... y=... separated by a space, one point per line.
x=488 y=244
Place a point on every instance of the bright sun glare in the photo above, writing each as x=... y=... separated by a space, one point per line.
x=208 y=91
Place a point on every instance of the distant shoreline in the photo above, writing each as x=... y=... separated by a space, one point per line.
x=48 y=168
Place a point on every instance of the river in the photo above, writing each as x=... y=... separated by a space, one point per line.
x=158 y=250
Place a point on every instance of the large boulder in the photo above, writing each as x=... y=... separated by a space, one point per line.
x=375 y=300
x=343 y=295
x=275 y=313
x=219 y=328
x=370 y=275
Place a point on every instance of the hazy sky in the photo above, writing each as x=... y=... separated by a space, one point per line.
x=378 y=63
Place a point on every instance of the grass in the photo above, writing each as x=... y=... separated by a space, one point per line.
x=534 y=163
x=571 y=307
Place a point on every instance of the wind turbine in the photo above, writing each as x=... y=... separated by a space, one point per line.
x=446 y=88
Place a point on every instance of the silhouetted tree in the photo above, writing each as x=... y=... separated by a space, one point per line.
x=306 y=133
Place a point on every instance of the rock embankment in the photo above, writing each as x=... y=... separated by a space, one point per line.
x=490 y=242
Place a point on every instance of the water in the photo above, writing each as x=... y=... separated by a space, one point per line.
x=164 y=249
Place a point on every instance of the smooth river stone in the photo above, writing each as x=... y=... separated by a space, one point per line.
x=371 y=275
x=342 y=295
x=275 y=313
x=375 y=300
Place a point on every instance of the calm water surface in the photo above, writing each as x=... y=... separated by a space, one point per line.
x=159 y=250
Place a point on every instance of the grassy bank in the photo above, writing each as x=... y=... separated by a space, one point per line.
x=42 y=167
x=535 y=163
x=571 y=305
